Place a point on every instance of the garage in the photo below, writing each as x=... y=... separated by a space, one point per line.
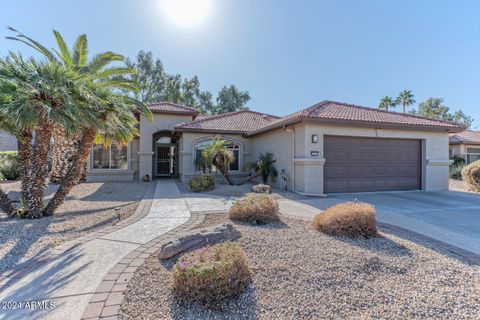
x=354 y=164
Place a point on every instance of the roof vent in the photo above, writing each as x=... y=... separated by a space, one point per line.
x=264 y=116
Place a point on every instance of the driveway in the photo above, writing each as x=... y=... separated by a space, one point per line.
x=450 y=216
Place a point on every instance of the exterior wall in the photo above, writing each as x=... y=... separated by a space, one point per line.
x=461 y=150
x=435 y=163
x=280 y=143
x=186 y=154
x=160 y=122
x=7 y=142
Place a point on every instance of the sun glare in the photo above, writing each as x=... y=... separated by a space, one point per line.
x=186 y=12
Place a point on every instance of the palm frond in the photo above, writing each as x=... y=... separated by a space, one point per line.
x=65 y=55
x=33 y=44
x=80 y=51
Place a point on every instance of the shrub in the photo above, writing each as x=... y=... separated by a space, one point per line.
x=255 y=209
x=8 y=165
x=471 y=175
x=458 y=161
x=350 y=219
x=203 y=182
x=456 y=172
x=211 y=274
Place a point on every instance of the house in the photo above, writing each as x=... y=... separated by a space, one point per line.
x=330 y=147
x=466 y=145
x=7 y=142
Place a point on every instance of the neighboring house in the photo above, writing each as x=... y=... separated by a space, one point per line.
x=466 y=145
x=7 y=142
x=327 y=148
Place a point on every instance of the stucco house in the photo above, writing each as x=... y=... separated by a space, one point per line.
x=466 y=145
x=330 y=147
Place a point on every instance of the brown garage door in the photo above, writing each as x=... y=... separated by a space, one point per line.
x=371 y=164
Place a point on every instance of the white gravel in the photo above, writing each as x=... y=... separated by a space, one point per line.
x=299 y=273
x=88 y=207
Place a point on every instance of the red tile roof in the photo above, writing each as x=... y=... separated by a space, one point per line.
x=465 y=137
x=342 y=113
x=241 y=122
x=169 y=107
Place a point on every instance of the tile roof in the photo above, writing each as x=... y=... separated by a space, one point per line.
x=336 y=112
x=466 y=137
x=169 y=107
x=242 y=121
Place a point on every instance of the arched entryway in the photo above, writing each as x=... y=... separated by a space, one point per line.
x=165 y=158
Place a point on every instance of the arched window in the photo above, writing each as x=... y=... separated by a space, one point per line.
x=232 y=146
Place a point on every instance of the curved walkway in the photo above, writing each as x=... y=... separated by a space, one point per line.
x=64 y=280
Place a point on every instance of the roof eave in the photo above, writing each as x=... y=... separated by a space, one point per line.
x=189 y=113
x=210 y=131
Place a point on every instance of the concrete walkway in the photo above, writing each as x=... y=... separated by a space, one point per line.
x=69 y=281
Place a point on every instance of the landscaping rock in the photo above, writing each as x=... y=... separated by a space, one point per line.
x=261 y=188
x=197 y=239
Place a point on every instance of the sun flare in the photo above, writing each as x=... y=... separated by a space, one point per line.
x=186 y=12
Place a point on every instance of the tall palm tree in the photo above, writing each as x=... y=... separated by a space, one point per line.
x=220 y=157
x=94 y=107
x=405 y=98
x=387 y=102
x=264 y=167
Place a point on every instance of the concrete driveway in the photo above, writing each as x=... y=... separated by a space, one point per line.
x=452 y=217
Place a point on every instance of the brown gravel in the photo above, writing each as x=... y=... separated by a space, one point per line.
x=88 y=207
x=458 y=185
x=299 y=273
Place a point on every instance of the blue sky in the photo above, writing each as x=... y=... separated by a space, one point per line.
x=287 y=54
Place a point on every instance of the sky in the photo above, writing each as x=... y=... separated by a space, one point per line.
x=287 y=54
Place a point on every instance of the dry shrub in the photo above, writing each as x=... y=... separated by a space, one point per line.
x=211 y=274
x=471 y=175
x=201 y=183
x=350 y=219
x=255 y=209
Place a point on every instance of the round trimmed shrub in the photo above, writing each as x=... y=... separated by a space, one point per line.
x=255 y=209
x=201 y=183
x=471 y=175
x=8 y=165
x=350 y=219
x=211 y=274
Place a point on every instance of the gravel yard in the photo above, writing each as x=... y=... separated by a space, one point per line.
x=88 y=207
x=458 y=185
x=299 y=273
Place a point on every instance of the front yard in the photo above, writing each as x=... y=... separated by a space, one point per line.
x=299 y=273
x=88 y=207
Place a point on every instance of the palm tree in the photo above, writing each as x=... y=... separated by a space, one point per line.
x=220 y=157
x=405 y=98
x=387 y=103
x=264 y=167
x=92 y=107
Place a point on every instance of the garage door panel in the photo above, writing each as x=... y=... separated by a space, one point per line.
x=371 y=164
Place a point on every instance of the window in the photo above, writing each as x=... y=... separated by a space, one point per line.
x=233 y=147
x=114 y=157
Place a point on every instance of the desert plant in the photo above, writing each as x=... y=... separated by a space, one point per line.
x=350 y=219
x=211 y=274
x=219 y=156
x=456 y=172
x=8 y=165
x=255 y=209
x=457 y=161
x=471 y=175
x=264 y=167
x=201 y=183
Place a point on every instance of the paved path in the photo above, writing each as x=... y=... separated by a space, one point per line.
x=69 y=280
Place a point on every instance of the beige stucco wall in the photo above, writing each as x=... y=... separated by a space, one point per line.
x=188 y=141
x=435 y=164
x=147 y=130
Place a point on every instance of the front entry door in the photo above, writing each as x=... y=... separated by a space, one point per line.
x=165 y=157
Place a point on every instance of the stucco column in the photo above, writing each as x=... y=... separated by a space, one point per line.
x=145 y=159
x=309 y=176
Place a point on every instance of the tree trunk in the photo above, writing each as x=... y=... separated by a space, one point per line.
x=63 y=151
x=6 y=204
x=226 y=174
x=24 y=160
x=39 y=168
x=75 y=172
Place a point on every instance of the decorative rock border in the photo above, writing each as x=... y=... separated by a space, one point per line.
x=106 y=301
x=14 y=274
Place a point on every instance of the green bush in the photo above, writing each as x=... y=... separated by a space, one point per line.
x=211 y=274
x=456 y=172
x=471 y=175
x=458 y=161
x=255 y=209
x=8 y=165
x=203 y=182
